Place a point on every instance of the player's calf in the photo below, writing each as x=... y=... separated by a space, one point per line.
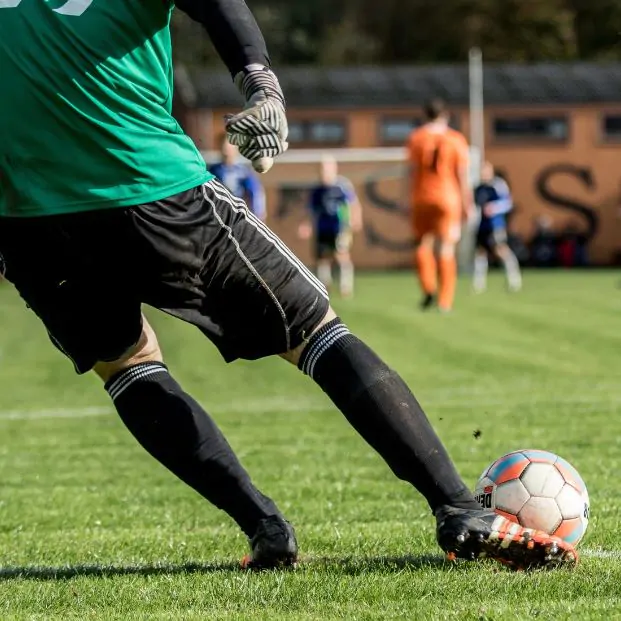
x=481 y=267
x=447 y=271
x=427 y=270
x=511 y=266
x=176 y=431
x=380 y=406
x=382 y=409
x=324 y=272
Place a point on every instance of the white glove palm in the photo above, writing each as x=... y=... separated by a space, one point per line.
x=260 y=131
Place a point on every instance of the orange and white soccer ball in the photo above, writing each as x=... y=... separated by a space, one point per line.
x=538 y=490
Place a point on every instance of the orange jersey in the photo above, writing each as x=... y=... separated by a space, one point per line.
x=437 y=156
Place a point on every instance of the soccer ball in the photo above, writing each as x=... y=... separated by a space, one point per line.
x=538 y=490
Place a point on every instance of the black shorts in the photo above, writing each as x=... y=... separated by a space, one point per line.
x=199 y=255
x=328 y=244
x=490 y=239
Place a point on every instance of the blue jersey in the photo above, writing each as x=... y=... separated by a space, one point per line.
x=243 y=183
x=330 y=206
x=494 y=195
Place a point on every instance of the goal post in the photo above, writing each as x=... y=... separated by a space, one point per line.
x=477 y=150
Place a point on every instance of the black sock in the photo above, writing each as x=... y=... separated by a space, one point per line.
x=175 y=430
x=380 y=406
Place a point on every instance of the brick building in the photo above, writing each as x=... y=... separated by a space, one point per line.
x=553 y=129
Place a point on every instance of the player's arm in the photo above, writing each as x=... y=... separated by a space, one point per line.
x=233 y=30
x=260 y=131
x=353 y=204
x=355 y=213
x=501 y=202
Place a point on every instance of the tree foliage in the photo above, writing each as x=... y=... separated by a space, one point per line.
x=342 y=32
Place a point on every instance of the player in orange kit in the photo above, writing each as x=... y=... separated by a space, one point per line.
x=441 y=199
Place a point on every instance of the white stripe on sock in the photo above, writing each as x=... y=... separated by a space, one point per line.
x=319 y=347
x=310 y=355
x=123 y=382
x=126 y=375
x=326 y=345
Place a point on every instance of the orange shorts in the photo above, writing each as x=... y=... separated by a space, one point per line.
x=442 y=223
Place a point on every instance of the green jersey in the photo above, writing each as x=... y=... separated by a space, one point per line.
x=85 y=107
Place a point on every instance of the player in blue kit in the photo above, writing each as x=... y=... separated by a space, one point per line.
x=493 y=199
x=336 y=214
x=239 y=179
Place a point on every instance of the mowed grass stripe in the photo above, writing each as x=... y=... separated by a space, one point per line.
x=98 y=530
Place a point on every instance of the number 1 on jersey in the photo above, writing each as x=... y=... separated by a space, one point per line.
x=435 y=158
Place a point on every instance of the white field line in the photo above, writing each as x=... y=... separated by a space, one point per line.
x=577 y=403
x=602 y=554
x=54 y=413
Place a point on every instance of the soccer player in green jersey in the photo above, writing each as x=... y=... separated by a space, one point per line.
x=106 y=205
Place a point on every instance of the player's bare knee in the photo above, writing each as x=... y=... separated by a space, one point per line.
x=426 y=241
x=147 y=349
x=501 y=251
x=293 y=356
x=447 y=249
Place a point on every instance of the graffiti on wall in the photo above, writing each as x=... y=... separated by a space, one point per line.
x=387 y=239
x=587 y=213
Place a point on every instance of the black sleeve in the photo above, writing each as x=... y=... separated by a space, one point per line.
x=232 y=29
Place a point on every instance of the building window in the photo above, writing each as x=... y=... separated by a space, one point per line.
x=612 y=126
x=538 y=128
x=296 y=132
x=397 y=129
x=326 y=131
x=318 y=132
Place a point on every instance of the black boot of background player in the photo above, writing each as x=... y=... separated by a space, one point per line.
x=428 y=301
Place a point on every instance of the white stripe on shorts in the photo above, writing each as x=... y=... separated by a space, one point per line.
x=267 y=233
x=254 y=271
x=239 y=206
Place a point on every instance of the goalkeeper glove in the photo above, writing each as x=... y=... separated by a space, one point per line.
x=260 y=131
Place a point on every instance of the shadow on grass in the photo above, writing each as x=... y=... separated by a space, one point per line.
x=356 y=565
x=350 y=566
x=107 y=571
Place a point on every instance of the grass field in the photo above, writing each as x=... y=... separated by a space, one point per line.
x=92 y=528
